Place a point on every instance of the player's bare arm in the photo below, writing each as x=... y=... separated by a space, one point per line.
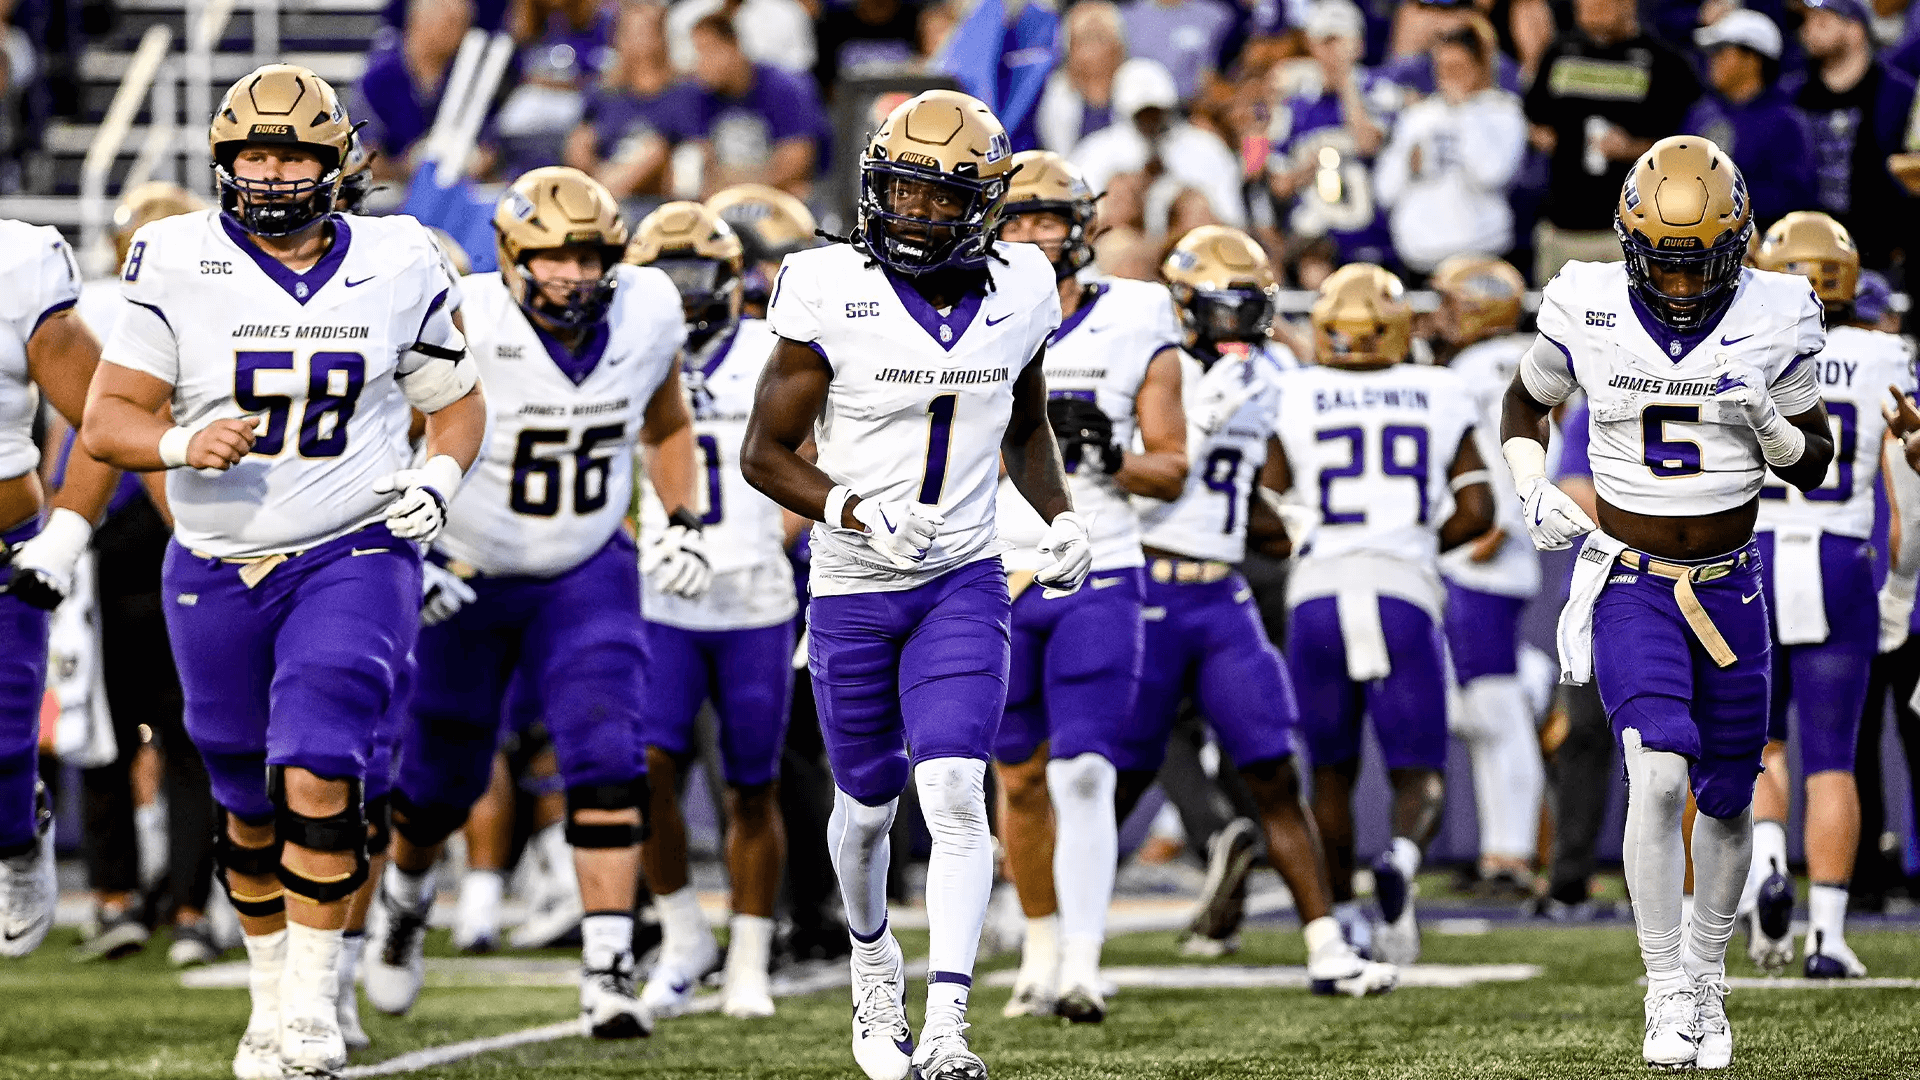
x=1267 y=531
x=1811 y=470
x=1160 y=472
x=667 y=436
x=1472 y=496
x=458 y=430
x=1031 y=454
x=122 y=426
x=792 y=391
x=61 y=358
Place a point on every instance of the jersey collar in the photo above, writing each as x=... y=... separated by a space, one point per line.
x=301 y=286
x=1672 y=343
x=944 y=329
x=1088 y=295
x=576 y=366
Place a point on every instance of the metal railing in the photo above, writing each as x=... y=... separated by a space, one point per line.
x=96 y=210
x=206 y=25
x=471 y=83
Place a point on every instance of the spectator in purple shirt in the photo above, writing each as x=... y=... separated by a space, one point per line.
x=1422 y=24
x=638 y=113
x=1187 y=36
x=1746 y=114
x=760 y=124
x=400 y=90
x=563 y=46
x=1078 y=100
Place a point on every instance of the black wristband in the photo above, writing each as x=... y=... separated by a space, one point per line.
x=1111 y=458
x=686 y=519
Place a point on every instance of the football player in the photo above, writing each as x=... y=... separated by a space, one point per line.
x=1700 y=376
x=1112 y=369
x=1816 y=552
x=733 y=645
x=45 y=348
x=1204 y=637
x=1382 y=454
x=1490 y=580
x=912 y=355
x=580 y=353
x=294 y=345
x=771 y=225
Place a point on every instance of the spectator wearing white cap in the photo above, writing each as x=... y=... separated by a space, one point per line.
x=1078 y=99
x=1150 y=136
x=1745 y=113
x=1330 y=117
x=1453 y=156
x=1864 y=129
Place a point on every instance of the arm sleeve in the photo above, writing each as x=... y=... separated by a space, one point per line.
x=793 y=312
x=1547 y=372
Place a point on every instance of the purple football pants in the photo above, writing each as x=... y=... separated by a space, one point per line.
x=1075 y=669
x=1408 y=707
x=1827 y=682
x=747 y=674
x=1483 y=633
x=23 y=681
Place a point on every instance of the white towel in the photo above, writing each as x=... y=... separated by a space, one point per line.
x=83 y=732
x=1799 y=596
x=1358 y=604
x=1599 y=554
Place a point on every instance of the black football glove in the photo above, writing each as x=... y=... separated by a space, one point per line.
x=1085 y=434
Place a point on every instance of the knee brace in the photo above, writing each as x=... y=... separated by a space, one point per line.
x=423 y=826
x=344 y=832
x=632 y=795
x=379 y=825
x=251 y=862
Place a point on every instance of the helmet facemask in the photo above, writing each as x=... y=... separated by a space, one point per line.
x=581 y=303
x=277 y=207
x=710 y=294
x=1717 y=266
x=1070 y=254
x=1242 y=312
x=956 y=235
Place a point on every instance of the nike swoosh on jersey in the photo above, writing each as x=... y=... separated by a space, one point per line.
x=991 y=321
x=1750 y=599
x=1733 y=341
x=350 y=283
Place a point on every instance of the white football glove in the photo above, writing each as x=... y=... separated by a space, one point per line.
x=1737 y=382
x=1896 y=613
x=442 y=593
x=900 y=531
x=1219 y=404
x=1072 y=552
x=43 y=566
x=1553 y=518
x=675 y=560
x=419 y=509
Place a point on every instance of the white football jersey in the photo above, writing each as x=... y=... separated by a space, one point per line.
x=745 y=536
x=1371 y=450
x=919 y=400
x=38 y=278
x=1209 y=519
x=1662 y=444
x=1853 y=371
x=317 y=355
x=556 y=476
x=1487 y=368
x=1099 y=354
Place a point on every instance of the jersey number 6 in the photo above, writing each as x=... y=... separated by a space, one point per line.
x=536 y=480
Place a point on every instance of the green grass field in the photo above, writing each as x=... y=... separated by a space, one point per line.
x=1580 y=1019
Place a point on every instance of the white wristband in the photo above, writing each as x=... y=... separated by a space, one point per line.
x=836 y=505
x=1781 y=443
x=173 y=446
x=444 y=475
x=1526 y=459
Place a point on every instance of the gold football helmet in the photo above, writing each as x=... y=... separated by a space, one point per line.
x=356 y=176
x=1361 y=318
x=1813 y=245
x=1223 y=285
x=1480 y=296
x=1043 y=182
x=771 y=225
x=1684 y=219
x=932 y=182
x=703 y=256
x=284 y=105
x=559 y=207
x=150 y=201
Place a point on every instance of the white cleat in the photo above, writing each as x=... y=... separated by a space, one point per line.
x=310 y=1040
x=882 y=1041
x=1030 y=998
x=28 y=888
x=1335 y=968
x=347 y=1011
x=476 y=920
x=1829 y=958
x=259 y=1055
x=395 y=960
x=554 y=909
x=1671 y=1041
x=608 y=1006
x=311 y=1046
x=1398 y=942
x=670 y=988
x=1771 y=955
x=946 y=1056
x=1711 y=1032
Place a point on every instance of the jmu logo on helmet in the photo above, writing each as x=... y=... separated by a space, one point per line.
x=999 y=147
x=519 y=206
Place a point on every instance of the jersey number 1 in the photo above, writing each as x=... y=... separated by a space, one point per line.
x=939 y=441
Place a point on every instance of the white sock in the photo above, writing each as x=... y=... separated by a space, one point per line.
x=1405 y=856
x=1827 y=911
x=682 y=923
x=1086 y=842
x=1656 y=861
x=266 y=958
x=406 y=889
x=1080 y=962
x=482 y=889
x=310 y=981
x=1508 y=776
x=749 y=947
x=1769 y=852
x=1040 y=952
x=857 y=840
x=1319 y=933
x=605 y=936
x=1722 y=852
x=352 y=945
x=959 y=881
